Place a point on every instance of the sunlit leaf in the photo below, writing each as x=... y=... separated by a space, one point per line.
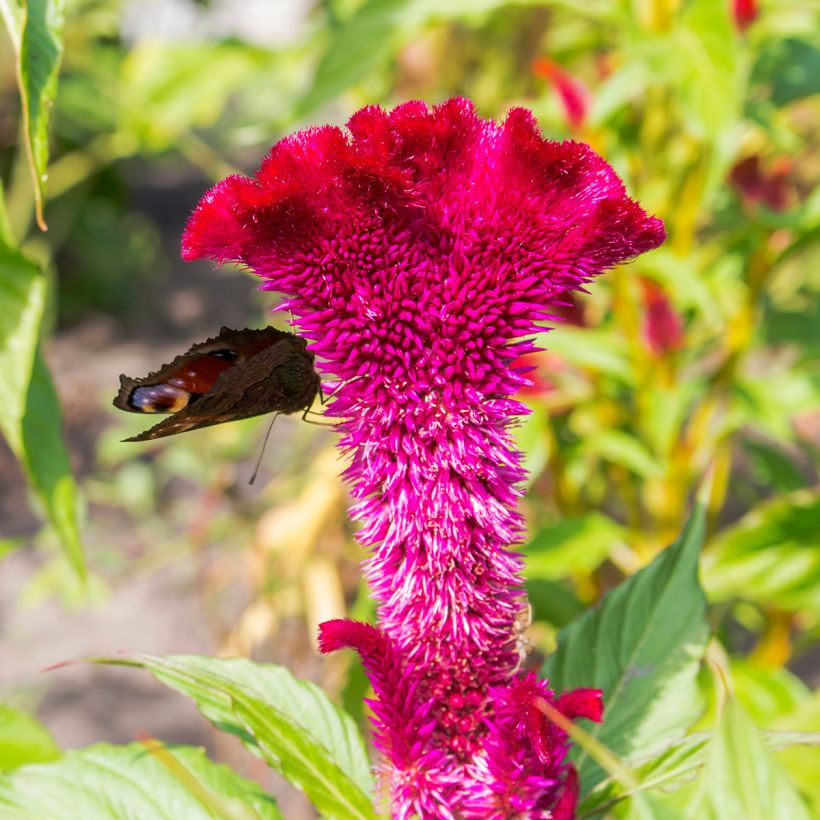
x=364 y=42
x=741 y=778
x=767 y=693
x=707 y=66
x=40 y=53
x=532 y=441
x=291 y=723
x=642 y=646
x=23 y=740
x=599 y=351
x=105 y=782
x=22 y=294
x=623 y=449
x=679 y=764
x=31 y=420
x=572 y=545
x=772 y=555
x=802 y=762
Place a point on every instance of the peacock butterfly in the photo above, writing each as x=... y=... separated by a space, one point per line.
x=236 y=375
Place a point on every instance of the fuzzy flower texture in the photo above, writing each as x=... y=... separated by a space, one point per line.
x=418 y=252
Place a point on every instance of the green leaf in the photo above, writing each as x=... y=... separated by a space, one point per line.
x=773 y=467
x=364 y=42
x=766 y=693
x=771 y=556
x=106 y=782
x=22 y=294
x=741 y=778
x=31 y=418
x=791 y=67
x=552 y=602
x=572 y=545
x=707 y=67
x=41 y=50
x=532 y=440
x=23 y=739
x=642 y=647
x=168 y=89
x=600 y=351
x=802 y=762
x=623 y=449
x=291 y=723
x=679 y=764
x=47 y=463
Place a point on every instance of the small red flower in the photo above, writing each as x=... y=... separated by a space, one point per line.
x=574 y=95
x=662 y=326
x=757 y=185
x=745 y=12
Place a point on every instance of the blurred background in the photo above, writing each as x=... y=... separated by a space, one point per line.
x=703 y=351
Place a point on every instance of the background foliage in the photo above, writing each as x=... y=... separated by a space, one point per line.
x=701 y=356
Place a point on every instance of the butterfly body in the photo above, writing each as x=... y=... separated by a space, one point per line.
x=236 y=375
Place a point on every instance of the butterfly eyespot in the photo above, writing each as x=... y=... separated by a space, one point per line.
x=227 y=355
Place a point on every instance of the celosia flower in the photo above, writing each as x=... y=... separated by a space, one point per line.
x=757 y=185
x=417 y=254
x=744 y=12
x=573 y=94
x=662 y=326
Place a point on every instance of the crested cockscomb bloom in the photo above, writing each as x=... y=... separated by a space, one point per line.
x=417 y=253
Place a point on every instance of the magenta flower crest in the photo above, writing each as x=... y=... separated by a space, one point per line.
x=417 y=253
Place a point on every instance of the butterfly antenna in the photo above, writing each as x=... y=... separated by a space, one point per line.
x=262 y=451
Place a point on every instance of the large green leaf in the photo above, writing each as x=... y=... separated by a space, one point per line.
x=39 y=54
x=772 y=555
x=291 y=723
x=23 y=739
x=643 y=648
x=741 y=778
x=31 y=418
x=106 y=782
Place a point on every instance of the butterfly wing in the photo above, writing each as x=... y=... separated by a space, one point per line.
x=280 y=378
x=243 y=344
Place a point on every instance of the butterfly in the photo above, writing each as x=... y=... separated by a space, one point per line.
x=236 y=375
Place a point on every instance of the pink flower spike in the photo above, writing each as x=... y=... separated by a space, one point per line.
x=419 y=251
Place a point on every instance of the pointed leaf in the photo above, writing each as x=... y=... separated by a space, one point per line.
x=289 y=722
x=40 y=53
x=772 y=555
x=642 y=647
x=106 y=782
x=31 y=418
x=23 y=739
x=679 y=764
x=742 y=779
